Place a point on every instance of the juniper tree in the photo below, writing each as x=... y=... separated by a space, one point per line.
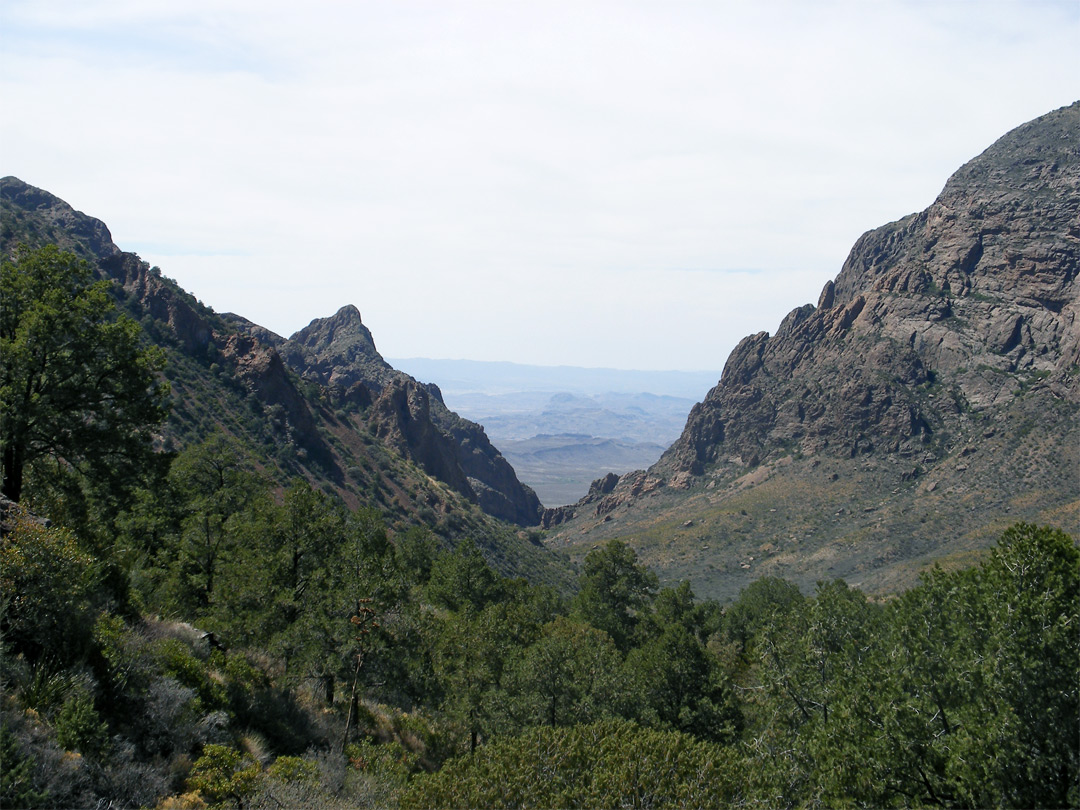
x=76 y=385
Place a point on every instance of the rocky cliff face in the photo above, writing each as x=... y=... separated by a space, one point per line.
x=34 y=216
x=960 y=308
x=926 y=402
x=338 y=352
x=32 y=212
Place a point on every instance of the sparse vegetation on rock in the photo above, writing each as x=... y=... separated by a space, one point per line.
x=928 y=400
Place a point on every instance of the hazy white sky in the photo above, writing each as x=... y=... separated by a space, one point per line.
x=622 y=184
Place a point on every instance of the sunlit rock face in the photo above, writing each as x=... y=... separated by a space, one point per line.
x=958 y=309
x=925 y=402
x=339 y=352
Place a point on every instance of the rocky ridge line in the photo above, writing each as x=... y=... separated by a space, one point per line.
x=952 y=312
x=339 y=352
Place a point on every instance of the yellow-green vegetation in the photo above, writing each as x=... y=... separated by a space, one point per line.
x=613 y=763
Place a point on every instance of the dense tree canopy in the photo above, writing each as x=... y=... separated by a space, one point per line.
x=76 y=386
x=615 y=589
x=961 y=692
x=605 y=764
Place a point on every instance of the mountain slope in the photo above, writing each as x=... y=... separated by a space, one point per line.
x=929 y=398
x=338 y=353
x=323 y=407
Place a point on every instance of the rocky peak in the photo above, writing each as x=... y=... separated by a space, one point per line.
x=344 y=330
x=952 y=310
x=1005 y=224
x=62 y=224
x=339 y=352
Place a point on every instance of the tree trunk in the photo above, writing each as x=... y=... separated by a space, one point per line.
x=13 y=472
x=354 y=704
x=328 y=689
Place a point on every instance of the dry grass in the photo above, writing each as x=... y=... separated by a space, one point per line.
x=866 y=520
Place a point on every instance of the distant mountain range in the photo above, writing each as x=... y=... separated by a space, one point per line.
x=494 y=378
x=562 y=427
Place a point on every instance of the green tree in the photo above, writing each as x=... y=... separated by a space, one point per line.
x=678 y=605
x=571 y=674
x=469 y=655
x=1030 y=664
x=977 y=696
x=680 y=686
x=76 y=386
x=218 y=499
x=760 y=603
x=298 y=554
x=962 y=691
x=415 y=552
x=616 y=592
x=462 y=579
x=811 y=657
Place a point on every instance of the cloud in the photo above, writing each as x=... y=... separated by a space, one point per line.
x=517 y=181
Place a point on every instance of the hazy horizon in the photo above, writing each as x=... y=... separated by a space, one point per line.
x=500 y=376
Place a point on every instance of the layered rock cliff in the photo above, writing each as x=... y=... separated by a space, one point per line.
x=928 y=400
x=339 y=352
x=960 y=308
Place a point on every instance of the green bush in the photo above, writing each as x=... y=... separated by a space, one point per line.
x=606 y=764
x=388 y=761
x=80 y=728
x=177 y=660
x=293 y=769
x=52 y=590
x=223 y=775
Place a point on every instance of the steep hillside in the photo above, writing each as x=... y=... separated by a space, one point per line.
x=338 y=354
x=323 y=404
x=928 y=399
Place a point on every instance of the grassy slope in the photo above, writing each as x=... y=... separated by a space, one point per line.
x=866 y=520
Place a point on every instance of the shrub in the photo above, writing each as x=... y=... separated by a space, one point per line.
x=178 y=661
x=17 y=787
x=52 y=590
x=606 y=764
x=223 y=774
x=293 y=769
x=80 y=728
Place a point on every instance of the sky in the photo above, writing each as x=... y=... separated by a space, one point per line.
x=632 y=185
